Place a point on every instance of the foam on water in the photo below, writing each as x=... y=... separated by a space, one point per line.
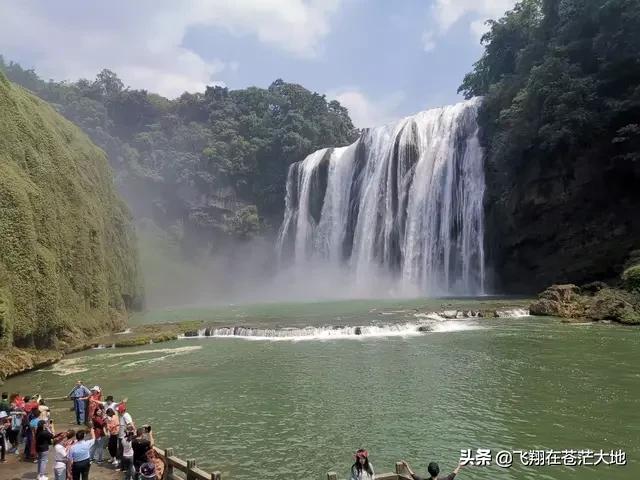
x=513 y=313
x=68 y=366
x=408 y=329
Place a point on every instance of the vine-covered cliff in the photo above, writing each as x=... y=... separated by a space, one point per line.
x=68 y=260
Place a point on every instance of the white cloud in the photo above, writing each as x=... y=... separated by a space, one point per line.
x=446 y=13
x=366 y=112
x=142 y=40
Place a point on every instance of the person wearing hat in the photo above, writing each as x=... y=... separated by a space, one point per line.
x=434 y=471
x=5 y=425
x=79 y=394
x=95 y=401
x=362 y=469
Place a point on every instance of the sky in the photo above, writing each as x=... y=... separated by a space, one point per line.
x=381 y=59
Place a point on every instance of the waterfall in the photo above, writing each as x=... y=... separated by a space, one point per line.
x=403 y=202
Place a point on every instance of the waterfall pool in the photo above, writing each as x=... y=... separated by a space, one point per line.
x=293 y=409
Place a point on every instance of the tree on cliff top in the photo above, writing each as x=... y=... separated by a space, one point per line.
x=195 y=161
x=558 y=74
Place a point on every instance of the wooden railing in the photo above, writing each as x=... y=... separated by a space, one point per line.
x=178 y=469
x=401 y=474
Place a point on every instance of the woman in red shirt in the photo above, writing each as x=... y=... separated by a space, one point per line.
x=99 y=425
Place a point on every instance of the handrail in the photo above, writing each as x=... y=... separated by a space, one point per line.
x=188 y=467
x=400 y=474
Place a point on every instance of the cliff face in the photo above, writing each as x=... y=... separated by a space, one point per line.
x=68 y=261
x=560 y=220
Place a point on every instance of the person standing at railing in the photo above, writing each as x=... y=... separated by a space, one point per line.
x=362 y=468
x=126 y=460
x=141 y=445
x=434 y=471
x=78 y=394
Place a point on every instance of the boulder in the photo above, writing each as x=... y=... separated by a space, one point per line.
x=615 y=305
x=563 y=301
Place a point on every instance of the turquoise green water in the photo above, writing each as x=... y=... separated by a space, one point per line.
x=263 y=409
x=342 y=312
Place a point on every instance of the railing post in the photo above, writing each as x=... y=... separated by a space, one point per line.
x=332 y=476
x=168 y=453
x=401 y=469
x=216 y=476
x=190 y=465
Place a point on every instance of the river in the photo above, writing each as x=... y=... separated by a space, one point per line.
x=297 y=409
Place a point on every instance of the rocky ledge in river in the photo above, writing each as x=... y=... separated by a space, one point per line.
x=595 y=302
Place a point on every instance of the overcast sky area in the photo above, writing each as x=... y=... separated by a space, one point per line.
x=381 y=59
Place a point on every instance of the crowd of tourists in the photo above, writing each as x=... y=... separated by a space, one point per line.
x=105 y=426
x=362 y=469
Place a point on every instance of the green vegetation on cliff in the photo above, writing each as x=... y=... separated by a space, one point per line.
x=208 y=166
x=68 y=261
x=560 y=124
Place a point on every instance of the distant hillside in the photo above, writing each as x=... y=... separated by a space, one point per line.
x=68 y=260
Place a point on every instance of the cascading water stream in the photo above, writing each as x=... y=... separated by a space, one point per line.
x=403 y=202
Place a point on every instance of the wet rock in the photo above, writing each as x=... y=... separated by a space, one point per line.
x=208 y=332
x=191 y=333
x=450 y=314
x=424 y=328
x=358 y=331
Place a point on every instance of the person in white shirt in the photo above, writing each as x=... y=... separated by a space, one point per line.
x=61 y=443
x=125 y=422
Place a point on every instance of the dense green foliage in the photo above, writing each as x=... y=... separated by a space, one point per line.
x=208 y=164
x=560 y=77
x=560 y=124
x=68 y=261
x=631 y=278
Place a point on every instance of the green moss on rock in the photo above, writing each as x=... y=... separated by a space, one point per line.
x=631 y=278
x=68 y=261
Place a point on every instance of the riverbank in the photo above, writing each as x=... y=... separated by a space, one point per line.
x=14 y=361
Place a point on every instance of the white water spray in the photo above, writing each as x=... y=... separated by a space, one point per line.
x=403 y=202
